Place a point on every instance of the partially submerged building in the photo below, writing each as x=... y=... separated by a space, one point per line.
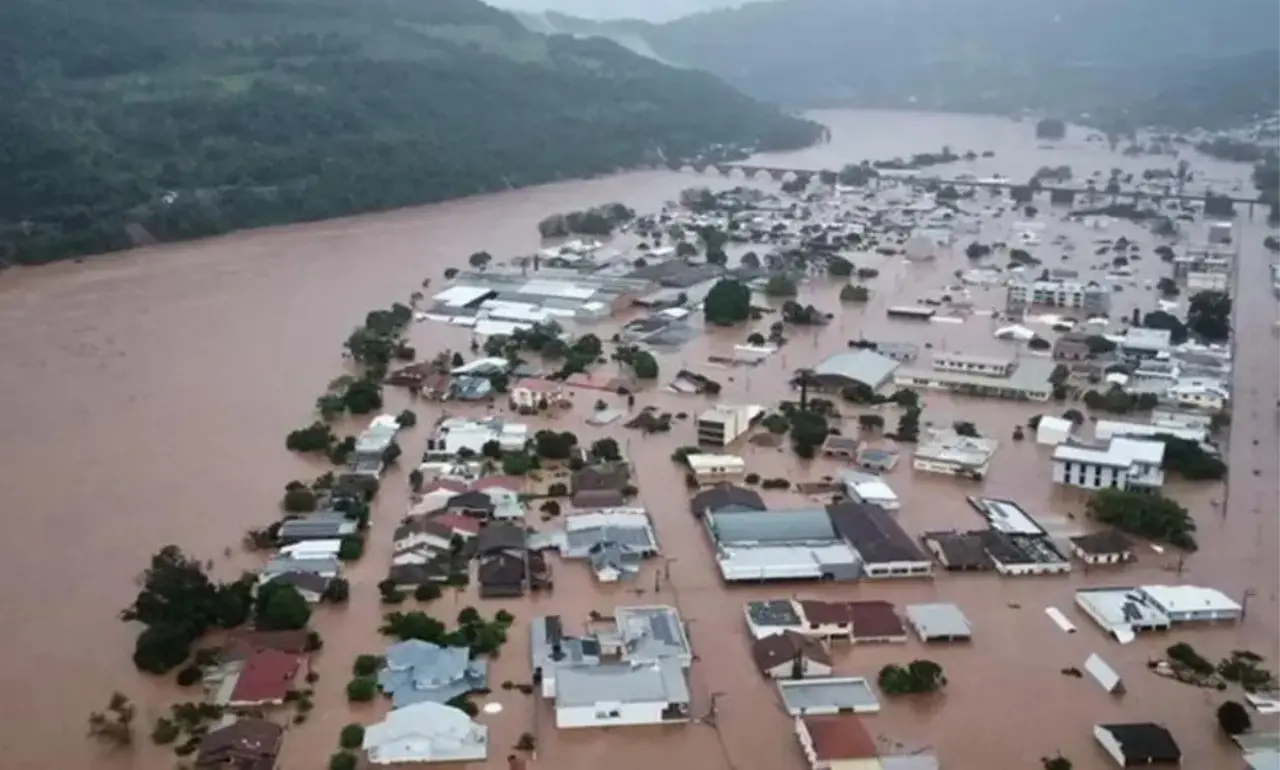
x=1123 y=463
x=780 y=545
x=426 y=732
x=947 y=452
x=1029 y=380
x=724 y=424
x=853 y=368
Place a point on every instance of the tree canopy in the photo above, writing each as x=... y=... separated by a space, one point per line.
x=158 y=119
x=728 y=303
x=1149 y=515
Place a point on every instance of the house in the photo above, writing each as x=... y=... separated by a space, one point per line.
x=876 y=459
x=790 y=655
x=426 y=732
x=413 y=574
x=876 y=622
x=1105 y=430
x=864 y=368
x=837 y=742
x=264 y=680
x=243 y=744
x=768 y=617
x=840 y=446
x=1141 y=342
x=780 y=545
x=312 y=549
x=1138 y=744
x=534 y=393
x=614 y=477
x=327 y=566
x=372 y=445
x=1123 y=463
x=318 y=526
x=726 y=497
x=1207 y=393
x=869 y=488
x=947 y=452
x=959 y=551
x=640 y=634
x=709 y=468
x=1190 y=604
x=619 y=694
x=459 y=434
x=502 y=575
x=1028 y=381
x=244 y=644
x=723 y=425
x=883 y=547
x=1106 y=547
x=471 y=503
x=614 y=540
x=1071 y=348
x=308 y=584
x=415 y=671
x=939 y=622
x=829 y=695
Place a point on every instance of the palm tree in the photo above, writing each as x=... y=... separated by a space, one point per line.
x=804 y=379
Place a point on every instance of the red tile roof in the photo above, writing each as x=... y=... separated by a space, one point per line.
x=457 y=522
x=513 y=483
x=840 y=736
x=266 y=677
x=456 y=487
x=825 y=613
x=875 y=619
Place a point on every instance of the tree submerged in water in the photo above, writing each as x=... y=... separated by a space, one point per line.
x=114 y=725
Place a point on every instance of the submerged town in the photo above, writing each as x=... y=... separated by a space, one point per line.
x=764 y=468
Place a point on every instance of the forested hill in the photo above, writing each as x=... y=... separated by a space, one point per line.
x=1060 y=56
x=122 y=120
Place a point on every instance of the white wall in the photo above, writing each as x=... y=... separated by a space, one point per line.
x=1088 y=475
x=894 y=569
x=595 y=716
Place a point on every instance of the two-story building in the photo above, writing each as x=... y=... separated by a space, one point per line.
x=1123 y=463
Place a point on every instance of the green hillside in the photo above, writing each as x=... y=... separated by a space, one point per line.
x=1061 y=56
x=121 y=119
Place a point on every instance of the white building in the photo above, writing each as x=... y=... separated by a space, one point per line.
x=1144 y=342
x=945 y=451
x=619 y=694
x=1073 y=295
x=725 y=424
x=426 y=732
x=708 y=468
x=1105 y=430
x=456 y=434
x=533 y=392
x=1199 y=393
x=1198 y=280
x=991 y=366
x=869 y=488
x=1028 y=381
x=1124 y=463
x=1191 y=604
x=1052 y=431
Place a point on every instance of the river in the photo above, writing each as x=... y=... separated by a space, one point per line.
x=146 y=397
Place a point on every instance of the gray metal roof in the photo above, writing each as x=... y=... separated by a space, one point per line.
x=828 y=696
x=417 y=671
x=578 y=543
x=934 y=621
x=660 y=681
x=864 y=366
x=804 y=525
x=652 y=632
x=282 y=564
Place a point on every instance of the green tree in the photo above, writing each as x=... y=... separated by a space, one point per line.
x=780 y=286
x=279 y=607
x=554 y=445
x=114 y=725
x=1209 y=316
x=1145 y=515
x=338 y=591
x=362 y=689
x=727 y=303
x=854 y=293
x=606 y=449
x=839 y=267
x=1233 y=718
x=413 y=625
x=366 y=665
x=644 y=365
x=407 y=419
x=352 y=737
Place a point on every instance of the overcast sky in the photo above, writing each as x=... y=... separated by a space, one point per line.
x=649 y=10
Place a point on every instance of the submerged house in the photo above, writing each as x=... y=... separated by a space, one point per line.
x=416 y=671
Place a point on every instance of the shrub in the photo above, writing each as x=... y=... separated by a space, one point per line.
x=426 y=592
x=361 y=689
x=352 y=736
x=366 y=665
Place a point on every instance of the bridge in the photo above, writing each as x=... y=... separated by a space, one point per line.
x=1022 y=193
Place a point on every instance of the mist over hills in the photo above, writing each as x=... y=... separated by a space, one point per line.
x=1111 y=60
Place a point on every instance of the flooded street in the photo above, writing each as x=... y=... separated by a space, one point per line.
x=147 y=397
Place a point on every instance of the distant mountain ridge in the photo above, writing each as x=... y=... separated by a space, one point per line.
x=127 y=120
x=1067 y=57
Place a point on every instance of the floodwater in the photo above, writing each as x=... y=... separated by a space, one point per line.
x=146 y=397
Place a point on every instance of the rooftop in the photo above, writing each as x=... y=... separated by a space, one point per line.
x=426 y=732
x=1119 y=452
x=1144 y=742
x=629 y=528
x=863 y=366
x=959 y=550
x=659 y=681
x=1030 y=375
x=1187 y=598
x=949 y=447
x=727 y=497
x=1006 y=516
x=839 y=737
x=773 y=612
x=774 y=649
x=267 y=676
x=1119 y=609
x=828 y=696
x=938 y=621
x=1108 y=541
x=874 y=533
x=771 y=527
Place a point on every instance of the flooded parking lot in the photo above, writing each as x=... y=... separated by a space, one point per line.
x=147 y=396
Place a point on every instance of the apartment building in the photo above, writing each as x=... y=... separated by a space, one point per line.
x=1090 y=297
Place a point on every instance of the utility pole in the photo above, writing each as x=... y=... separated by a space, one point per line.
x=1244 y=601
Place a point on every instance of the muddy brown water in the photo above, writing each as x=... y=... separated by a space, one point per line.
x=146 y=397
